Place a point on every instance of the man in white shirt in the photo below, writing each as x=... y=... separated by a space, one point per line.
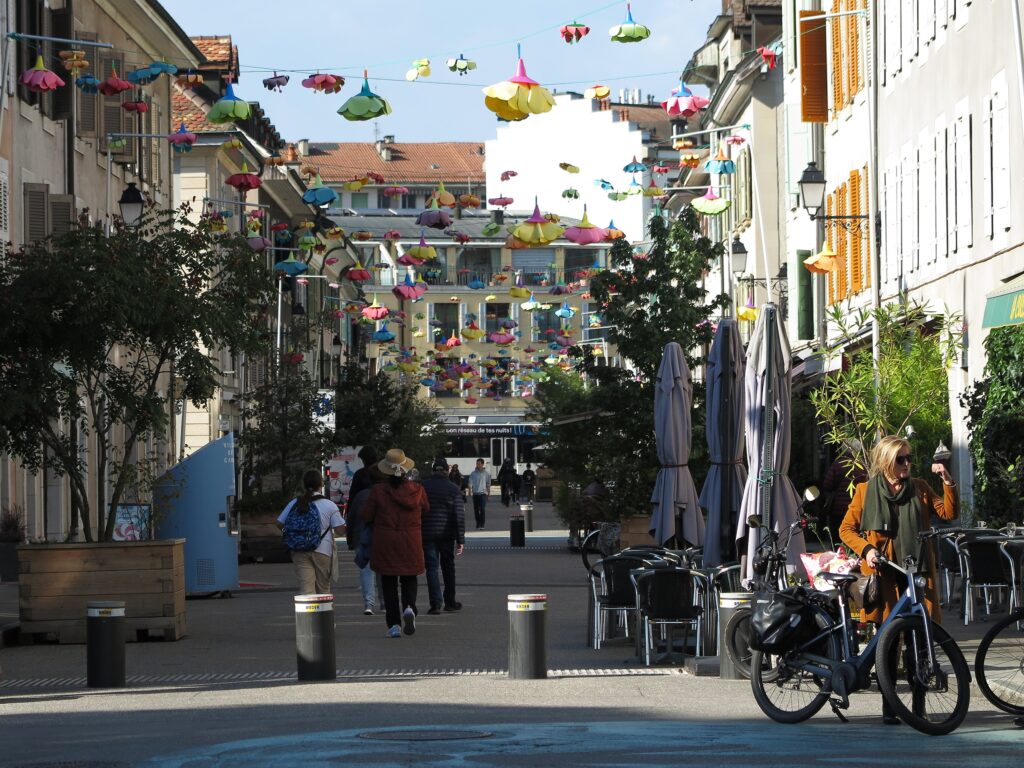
x=313 y=568
x=480 y=487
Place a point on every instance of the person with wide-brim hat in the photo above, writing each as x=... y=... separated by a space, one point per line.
x=395 y=509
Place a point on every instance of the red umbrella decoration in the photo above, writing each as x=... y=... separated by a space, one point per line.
x=395 y=191
x=374 y=311
x=141 y=107
x=573 y=33
x=501 y=201
x=359 y=274
x=244 y=181
x=113 y=85
x=506 y=175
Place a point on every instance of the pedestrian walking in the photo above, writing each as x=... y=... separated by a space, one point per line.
x=354 y=533
x=444 y=536
x=507 y=480
x=455 y=476
x=529 y=483
x=362 y=478
x=480 y=487
x=395 y=509
x=306 y=522
x=842 y=476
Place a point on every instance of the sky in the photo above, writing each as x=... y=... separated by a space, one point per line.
x=300 y=37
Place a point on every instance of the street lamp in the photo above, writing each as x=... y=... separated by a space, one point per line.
x=812 y=197
x=132 y=204
x=739 y=256
x=778 y=284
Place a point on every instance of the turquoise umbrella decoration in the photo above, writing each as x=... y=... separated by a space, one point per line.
x=318 y=194
x=291 y=266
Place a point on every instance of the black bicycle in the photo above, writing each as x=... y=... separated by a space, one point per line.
x=999 y=665
x=806 y=655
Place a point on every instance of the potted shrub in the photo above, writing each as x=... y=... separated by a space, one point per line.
x=12 y=533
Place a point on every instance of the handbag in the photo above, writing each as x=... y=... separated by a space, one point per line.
x=866 y=592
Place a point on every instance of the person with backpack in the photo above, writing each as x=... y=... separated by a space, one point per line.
x=529 y=483
x=305 y=523
x=395 y=509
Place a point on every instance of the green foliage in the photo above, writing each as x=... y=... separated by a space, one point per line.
x=996 y=421
x=96 y=327
x=649 y=298
x=915 y=352
x=284 y=437
x=385 y=412
x=12 y=524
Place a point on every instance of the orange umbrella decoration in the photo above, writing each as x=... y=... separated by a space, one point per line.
x=614 y=233
x=585 y=233
x=518 y=97
x=442 y=196
x=39 y=79
x=469 y=201
x=362 y=235
x=597 y=91
x=244 y=181
x=374 y=311
x=189 y=80
x=537 y=230
x=689 y=160
x=573 y=33
x=72 y=61
x=515 y=244
x=822 y=262
x=324 y=83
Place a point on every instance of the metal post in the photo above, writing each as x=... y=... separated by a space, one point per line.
x=104 y=633
x=728 y=604
x=527 y=512
x=314 y=637
x=527 y=645
x=280 y=284
x=517 y=530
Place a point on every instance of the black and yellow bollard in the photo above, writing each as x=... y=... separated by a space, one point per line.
x=314 y=637
x=527 y=643
x=104 y=639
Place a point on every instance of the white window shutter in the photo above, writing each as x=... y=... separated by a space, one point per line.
x=926 y=20
x=926 y=195
x=941 y=13
x=908 y=30
x=986 y=165
x=892 y=37
x=1000 y=155
x=952 y=167
x=941 y=185
x=964 y=190
x=892 y=214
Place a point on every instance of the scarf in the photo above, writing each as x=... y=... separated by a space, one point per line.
x=879 y=502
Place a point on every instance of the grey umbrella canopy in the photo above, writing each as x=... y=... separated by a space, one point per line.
x=723 y=488
x=676 y=512
x=769 y=492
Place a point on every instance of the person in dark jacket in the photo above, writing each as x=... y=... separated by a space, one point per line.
x=354 y=532
x=362 y=480
x=444 y=537
x=507 y=478
x=395 y=509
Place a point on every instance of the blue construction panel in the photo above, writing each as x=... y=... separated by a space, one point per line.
x=193 y=501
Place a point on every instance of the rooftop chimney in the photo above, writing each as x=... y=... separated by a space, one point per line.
x=302 y=145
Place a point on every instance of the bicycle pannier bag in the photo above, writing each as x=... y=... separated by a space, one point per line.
x=779 y=622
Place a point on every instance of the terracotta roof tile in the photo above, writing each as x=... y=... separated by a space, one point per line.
x=184 y=109
x=426 y=163
x=215 y=48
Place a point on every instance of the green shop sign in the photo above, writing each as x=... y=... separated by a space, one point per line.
x=1005 y=306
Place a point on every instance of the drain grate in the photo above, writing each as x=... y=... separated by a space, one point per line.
x=422 y=734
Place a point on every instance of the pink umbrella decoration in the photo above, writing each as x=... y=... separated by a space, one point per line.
x=453 y=342
x=392 y=234
x=395 y=191
x=113 y=85
x=407 y=289
x=358 y=274
x=408 y=260
x=506 y=175
x=244 y=181
x=585 y=233
x=501 y=201
x=573 y=33
x=374 y=311
x=768 y=56
x=182 y=139
x=682 y=102
x=324 y=83
x=502 y=338
x=39 y=79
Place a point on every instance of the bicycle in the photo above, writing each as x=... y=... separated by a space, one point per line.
x=821 y=662
x=999 y=665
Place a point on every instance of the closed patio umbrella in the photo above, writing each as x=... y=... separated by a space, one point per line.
x=769 y=492
x=676 y=512
x=723 y=488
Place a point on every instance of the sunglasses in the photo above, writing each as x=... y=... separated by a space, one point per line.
x=904 y=460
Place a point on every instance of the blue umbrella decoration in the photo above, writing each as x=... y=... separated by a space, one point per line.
x=383 y=335
x=720 y=163
x=318 y=194
x=291 y=266
x=634 y=167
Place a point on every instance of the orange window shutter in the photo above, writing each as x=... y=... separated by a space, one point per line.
x=813 y=70
x=856 y=268
x=870 y=230
x=842 y=288
x=836 y=39
x=830 y=239
x=856 y=76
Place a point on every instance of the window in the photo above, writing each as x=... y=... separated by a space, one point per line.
x=593 y=322
x=996 y=159
x=446 y=318
x=494 y=314
x=941 y=185
x=545 y=325
x=45 y=213
x=477 y=264
x=926 y=196
x=409 y=200
x=535 y=264
x=963 y=198
x=360 y=200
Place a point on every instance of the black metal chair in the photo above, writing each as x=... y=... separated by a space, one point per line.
x=668 y=597
x=949 y=565
x=1013 y=565
x=982 y=566
x=612 y=591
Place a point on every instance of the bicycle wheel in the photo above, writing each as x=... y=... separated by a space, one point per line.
x=786 y=693
x=736 y=639
x=931 y=698
x=999 y=665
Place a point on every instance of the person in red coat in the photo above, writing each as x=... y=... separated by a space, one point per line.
x=395 y=509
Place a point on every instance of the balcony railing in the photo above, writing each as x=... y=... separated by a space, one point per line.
x=483 y=278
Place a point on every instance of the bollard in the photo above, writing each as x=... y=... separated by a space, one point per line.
x=728 y=604
x=527 y=512
x=314 y=637
x=527 y=646
x=104 y=639
x=517 y=531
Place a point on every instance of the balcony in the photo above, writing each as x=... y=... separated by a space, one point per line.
x=473 y=279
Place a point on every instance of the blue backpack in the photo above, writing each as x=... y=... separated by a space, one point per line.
x=301 y=529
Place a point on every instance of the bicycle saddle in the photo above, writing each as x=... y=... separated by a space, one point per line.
x=838 y=578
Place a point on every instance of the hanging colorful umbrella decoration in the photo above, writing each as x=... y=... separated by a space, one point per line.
x=189 y=81
x=383 y=335
x=565 y=311
x=710 y=204
x=228 y=108
x=318 y=194
x=358 y=273
x=39 y=79
x=597 y=91
x=560 y=289
x=689 y=160
x=573 y=33
x=282 y=235
x=409 y=289
x=634 y=188
x=324 y=83
x=114 y=85
x=720 y=163
x=434 y=217
x=769 y=57
x=442 y=197
x=422 y=251
x=506 y=175
x=634 y=166
x=420 y=68
x=490 y=228
x=453 y=342
x=604 y=184
x=614 y=233
x=519 y=291
x=244 y=181
x=356 y=183
x=571 y=194
x=182 y=139
x=659 y=169
x=395 y=191
x=460 y=65
x=501 y=201
x=585 y=233
x=469 y=201
x=334 y=233
x=653 y=190
x=135 y=105
x=88 y=84
x=569 y=167
x=683 y=102
x=629 y=31
x=291 y=266
x=537 y=230
x=73 y=61
x=276 y=82
x=392 y=235
x=374 y=311
x=518 y=97
x=365 y=105
x=472 y=331
x=735 y=139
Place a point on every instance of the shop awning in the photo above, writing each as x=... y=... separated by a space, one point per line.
x=1005 y=305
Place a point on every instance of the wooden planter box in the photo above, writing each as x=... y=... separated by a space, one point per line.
x=635 y=531
x=57 y=581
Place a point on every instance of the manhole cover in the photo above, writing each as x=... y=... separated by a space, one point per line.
x=424 y=734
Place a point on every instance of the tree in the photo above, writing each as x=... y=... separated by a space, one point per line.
x=385 y=412
x=103 y=333
x=996 y=421
x=647 y=299
x=284 y=436
x=910 y=388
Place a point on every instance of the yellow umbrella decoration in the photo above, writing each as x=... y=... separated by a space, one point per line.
x=518 y=97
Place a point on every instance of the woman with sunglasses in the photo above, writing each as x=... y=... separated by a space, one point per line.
x=884 y=518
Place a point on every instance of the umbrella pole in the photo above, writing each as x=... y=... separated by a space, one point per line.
x=728 y=542
x=767 y=478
